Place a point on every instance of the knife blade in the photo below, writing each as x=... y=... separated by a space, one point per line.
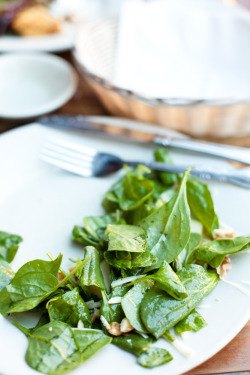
x=118 y=133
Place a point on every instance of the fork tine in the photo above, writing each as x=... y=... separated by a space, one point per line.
x=83 y=150
x=76 y=155
x=66 y=158
x=69 y=166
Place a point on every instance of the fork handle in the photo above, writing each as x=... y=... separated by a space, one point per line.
x=240 y=154
x=206 y=173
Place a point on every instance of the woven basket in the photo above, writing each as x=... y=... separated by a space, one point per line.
x=94 y=55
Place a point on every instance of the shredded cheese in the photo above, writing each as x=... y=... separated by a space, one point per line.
x=245 y=282
x=114 y=300
x=126 y=280
x=182 y=348
x=105 y=322
x=237 y=286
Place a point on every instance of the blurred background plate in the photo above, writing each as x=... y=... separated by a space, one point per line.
x=48 y=43
x=33 y=84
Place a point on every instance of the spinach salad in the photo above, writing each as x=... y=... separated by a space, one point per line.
x=143 y=267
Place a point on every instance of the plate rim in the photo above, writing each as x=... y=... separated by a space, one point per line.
x=49 y=60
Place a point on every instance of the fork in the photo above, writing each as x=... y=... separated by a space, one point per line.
x=88 y=162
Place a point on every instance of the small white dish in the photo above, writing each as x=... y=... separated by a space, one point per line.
x=33 y=84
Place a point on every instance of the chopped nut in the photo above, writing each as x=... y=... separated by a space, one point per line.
x=224 y=267
x=224 y=233
x=115 y=329
x=176 y=186
x=126 y=326
x=71 y=268
x=60 y=276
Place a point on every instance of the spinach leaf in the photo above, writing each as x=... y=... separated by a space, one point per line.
x=116 y=309
x=201 y=204
x=69 y=308
x=168 y=228
x=129 y=192
x=214 y=252
x=167 y=280
x=6 y=274
x=90 y=341
x=33 y=283
x=53 y=348
x=9 y=245
x=131 y=304
x=90 y=274
x=79 y=234
x=133 y=343
x=126 y=238
x=162 y=155
x=94 y=227
x=127 y=260
x=106 y=311
x=193 y=322
x=154 y=357
x=159 y=312
x=187 y=256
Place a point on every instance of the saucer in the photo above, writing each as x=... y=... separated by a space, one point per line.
x=33 y=84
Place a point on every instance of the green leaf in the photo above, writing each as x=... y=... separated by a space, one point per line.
x=8 y=246
x=6 y=274
x=131 y=304
x=79 y=234
x=201 y=204
x=69 y=308
x=90 y=274
x=214 y=252
x=167 y=280
x=162 y=155
x=126 y=238
x=193 y=322
x=127 y=260
x=154 y=357
x=94 y=228
x=187 y=256
x=168 y=228
x=116 y=310
x=133 y=343
x=106 y=311
x=129 y=192
x=53 y=348
x=159 y=312
x=90 y=341
x=33 y=283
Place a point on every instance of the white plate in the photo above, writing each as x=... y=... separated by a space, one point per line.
x=42 y=203
x=33 y=84
x=49 y=43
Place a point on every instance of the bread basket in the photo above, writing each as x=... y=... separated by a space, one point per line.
x=94 y=54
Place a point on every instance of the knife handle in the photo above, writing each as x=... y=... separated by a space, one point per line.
x=240 y=154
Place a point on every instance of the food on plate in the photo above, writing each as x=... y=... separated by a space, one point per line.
x=143 y=268
x=28 y=18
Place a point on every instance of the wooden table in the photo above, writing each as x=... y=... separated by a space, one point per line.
x=235 y=357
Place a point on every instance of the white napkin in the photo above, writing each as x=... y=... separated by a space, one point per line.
x=184 y=48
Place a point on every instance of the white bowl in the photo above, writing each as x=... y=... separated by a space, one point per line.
x=33 y=84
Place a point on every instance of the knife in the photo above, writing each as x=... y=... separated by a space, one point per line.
x=118 y=133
